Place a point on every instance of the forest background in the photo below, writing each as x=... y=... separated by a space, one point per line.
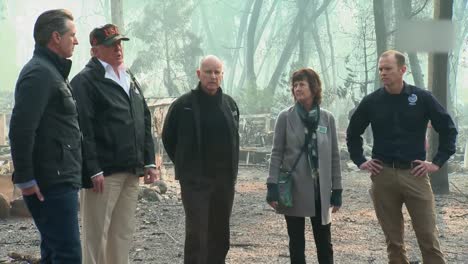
x=261 y=42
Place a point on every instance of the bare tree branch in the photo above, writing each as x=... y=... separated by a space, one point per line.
x=417 y=11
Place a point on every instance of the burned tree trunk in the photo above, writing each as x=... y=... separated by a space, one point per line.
x=291 y=45
x=117 y=14
x=380 y=34
x=438 y=80
x=239 y=40
x=250 y=51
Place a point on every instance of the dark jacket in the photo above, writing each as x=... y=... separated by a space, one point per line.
x=116 y=127
x=399 y=125
x=44 y=133
x=182 y=139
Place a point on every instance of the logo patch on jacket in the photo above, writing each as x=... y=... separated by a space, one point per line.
x=412 y=99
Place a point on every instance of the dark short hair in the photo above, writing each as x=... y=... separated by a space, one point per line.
x=400 y=57
x=49 y=22
x=315 y=85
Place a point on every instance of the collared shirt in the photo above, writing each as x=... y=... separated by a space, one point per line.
x=123 y=81
x=399 y=123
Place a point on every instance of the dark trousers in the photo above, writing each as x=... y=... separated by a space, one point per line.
x=208 y=206
x=322 y=237
x=56 y=218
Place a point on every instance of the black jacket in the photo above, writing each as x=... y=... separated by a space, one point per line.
x=116 y=127
x=44 y=133
x=182 y=139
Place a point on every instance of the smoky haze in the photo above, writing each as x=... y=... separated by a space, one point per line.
x=260 y=42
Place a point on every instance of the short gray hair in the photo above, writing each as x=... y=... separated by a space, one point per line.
x=50 y=21
x=210 y=57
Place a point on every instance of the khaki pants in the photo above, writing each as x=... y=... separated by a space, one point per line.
x=390 y=189
x=108 y=220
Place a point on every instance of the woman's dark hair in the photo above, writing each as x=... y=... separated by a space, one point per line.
x=315 y=85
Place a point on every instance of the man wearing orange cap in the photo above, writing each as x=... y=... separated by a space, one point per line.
x=117 y=148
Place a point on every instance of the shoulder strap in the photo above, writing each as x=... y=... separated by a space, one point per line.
x=306 y=142
x=299 y=156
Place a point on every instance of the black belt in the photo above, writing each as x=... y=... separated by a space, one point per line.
x=397 y=164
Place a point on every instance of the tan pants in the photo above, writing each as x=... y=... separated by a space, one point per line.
x=108 y=220
x=390 y=189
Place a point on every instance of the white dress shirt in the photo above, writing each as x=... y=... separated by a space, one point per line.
x=123 y=81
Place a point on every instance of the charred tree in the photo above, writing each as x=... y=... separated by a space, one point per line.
x=380 y=34
x=438 y=80
x=332 y=51
x=290 y=46
x=239 y=40
x=403 y=12
x=250 y=51
x=117 y=14
x=321 y=55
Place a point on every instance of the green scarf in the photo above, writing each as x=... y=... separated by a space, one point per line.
x=310 y=120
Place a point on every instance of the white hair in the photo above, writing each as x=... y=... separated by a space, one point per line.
x=210 y=57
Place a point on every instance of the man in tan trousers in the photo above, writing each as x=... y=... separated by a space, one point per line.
x=399 y=114
x=117 y=148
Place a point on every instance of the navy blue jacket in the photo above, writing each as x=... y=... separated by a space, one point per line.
x=399 y=123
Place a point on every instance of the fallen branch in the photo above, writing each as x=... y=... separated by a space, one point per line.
x=458 y=189
x=244 y=245
x=456 y=199
x=173 y=239
x=461 y=215
x=167 y=233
